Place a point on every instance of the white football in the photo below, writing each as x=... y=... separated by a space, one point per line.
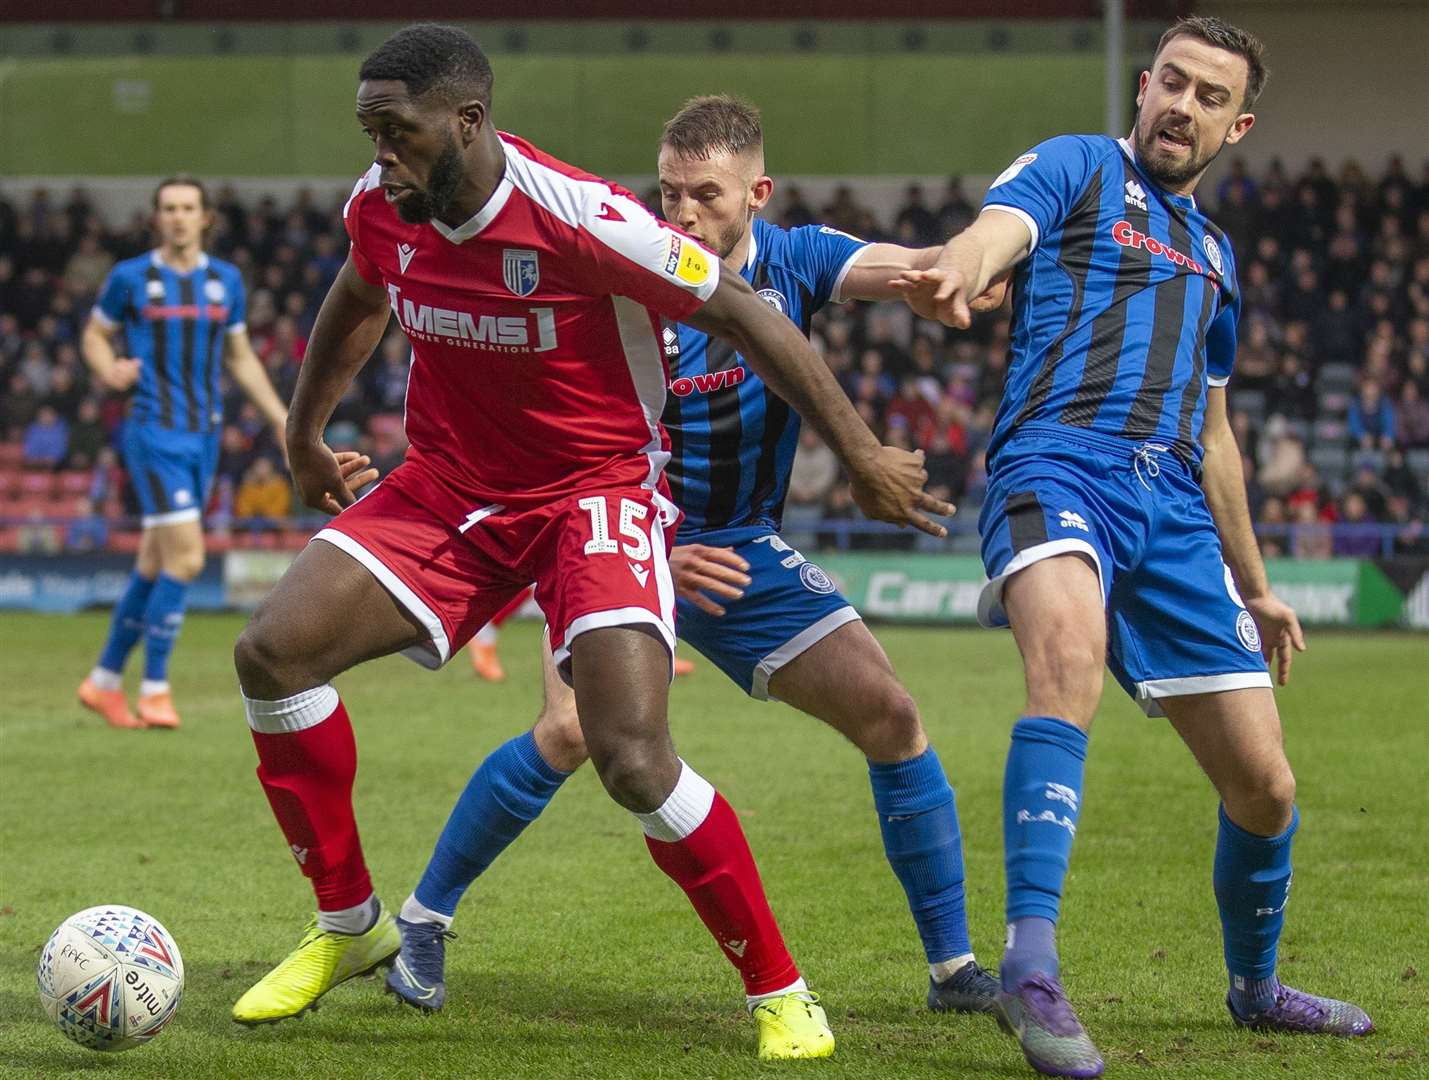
x=110 y=977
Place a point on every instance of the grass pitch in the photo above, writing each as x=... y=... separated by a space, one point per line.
x=578 y=958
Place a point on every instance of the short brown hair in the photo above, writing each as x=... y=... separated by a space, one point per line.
x=713 y=124
x=183 y=180
x=1233 y=39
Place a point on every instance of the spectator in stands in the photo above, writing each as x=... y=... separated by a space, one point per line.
x=1412 y=417
x=796 y=211
x=87 y=530
x=947 y=469
x=1371 y=418
x=87 y=268
x=957 y=212
x=815 y=472
x=1292 y=392
x=1311 y=536
x=263 y=494
x=20 y=405
x=1411 y=535
x=916 y=225
x=387 y=376
x=87 y=436
x=46 y=440
x=910 y=409
x=1355 y=539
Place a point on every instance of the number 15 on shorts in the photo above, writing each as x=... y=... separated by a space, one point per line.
x=632 y=527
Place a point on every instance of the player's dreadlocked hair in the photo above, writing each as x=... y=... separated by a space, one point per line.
x=1233 y=39
x=713 y=124
x=431 y=58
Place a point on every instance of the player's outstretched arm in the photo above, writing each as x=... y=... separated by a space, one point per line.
x=1223 y=481
x=977 y=258
x=252 y=378
x=96 y=345
x=872 y=276
x=887 y=482
x=348 y=328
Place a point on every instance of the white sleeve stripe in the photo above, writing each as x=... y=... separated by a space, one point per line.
x=368 y=180
x=637 y=236
x=1220 y=380
x=101 y=317
x=236 y=328
x=837 y=296
x=1022 y=216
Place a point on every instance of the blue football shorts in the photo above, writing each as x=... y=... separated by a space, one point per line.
x=172 y=471
x=790 y=606
x=1175 y=622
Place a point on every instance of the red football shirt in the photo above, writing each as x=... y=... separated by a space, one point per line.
x=537 y=366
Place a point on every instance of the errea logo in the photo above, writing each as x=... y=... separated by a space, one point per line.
x=1072 y=520
x=1135 y=195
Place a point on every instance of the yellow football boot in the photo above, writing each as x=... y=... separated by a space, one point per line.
x=793 y=1026
x=321 y=961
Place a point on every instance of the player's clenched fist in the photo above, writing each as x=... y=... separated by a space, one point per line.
x=328 y=481
x=890 y=488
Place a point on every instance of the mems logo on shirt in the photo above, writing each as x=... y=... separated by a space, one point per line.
x=532 y=332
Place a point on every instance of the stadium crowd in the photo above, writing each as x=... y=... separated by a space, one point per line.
x=1330 y=397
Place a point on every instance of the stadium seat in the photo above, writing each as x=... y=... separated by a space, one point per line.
x=11 y=453
x=1331 y=461
x=75 y=481
x=9 y=480
x=1250 y=401
x=1330 y=432
x=1341 y=377
x=1418 y=461
x=1299 y=428
x=28 y=506
x=1334 y=403
x=37 y=483
x=125 y=543
x=9 y=536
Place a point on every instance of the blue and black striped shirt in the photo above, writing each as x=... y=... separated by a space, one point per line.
x=1126 y=309
x=732 y=439
x=175 y=324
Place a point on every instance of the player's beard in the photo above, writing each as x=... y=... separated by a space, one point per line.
x=443 y=184
x=1165 y=169
x=729 y=238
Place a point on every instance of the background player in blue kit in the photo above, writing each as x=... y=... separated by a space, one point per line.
x=181 y=311
x=1115 y=492
x=784 y=631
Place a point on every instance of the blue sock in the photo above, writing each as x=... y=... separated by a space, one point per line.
x=1041 y=801
x=507 y=793
x=918 y=817
x=126 y=626
x=163 y=616
x=1252 y=883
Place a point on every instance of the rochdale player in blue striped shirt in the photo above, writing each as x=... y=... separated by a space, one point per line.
x=772 y=621
x=1116 y=527
x=181 y=312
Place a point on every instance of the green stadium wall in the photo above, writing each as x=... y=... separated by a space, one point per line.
x=873 y=114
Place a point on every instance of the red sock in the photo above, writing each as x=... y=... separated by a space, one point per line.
x=714 y=866
x=307 y=761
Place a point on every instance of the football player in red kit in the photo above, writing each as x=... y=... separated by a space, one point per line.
x=531 y=292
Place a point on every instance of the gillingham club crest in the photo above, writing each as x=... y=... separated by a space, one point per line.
x=521 y=270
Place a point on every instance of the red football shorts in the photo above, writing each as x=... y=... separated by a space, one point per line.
x=598 y=557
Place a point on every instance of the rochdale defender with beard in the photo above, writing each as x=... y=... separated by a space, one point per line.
x=1115 y=526
x=530 y=292
x=773 y=622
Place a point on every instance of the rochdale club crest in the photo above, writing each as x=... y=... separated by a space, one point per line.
x=775 y=299
x=213 y=289
x=1247 y=631
x=1213 y=253
x=521 y=270
x=815 y=580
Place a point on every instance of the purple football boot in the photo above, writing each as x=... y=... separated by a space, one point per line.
x=1298 y=1012
x=1053 y=1040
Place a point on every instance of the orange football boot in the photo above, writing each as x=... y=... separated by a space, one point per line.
x=157 y=710
x=109 y=704
x=683 y=666
x=485 y=662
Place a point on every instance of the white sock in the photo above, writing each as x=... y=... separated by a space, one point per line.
x=105 y=679
x=944 y=970
x=487 y=635
x=353 y=920
x=150 y=687
x=798 y=986
x=413 y=910
x=684 y=809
